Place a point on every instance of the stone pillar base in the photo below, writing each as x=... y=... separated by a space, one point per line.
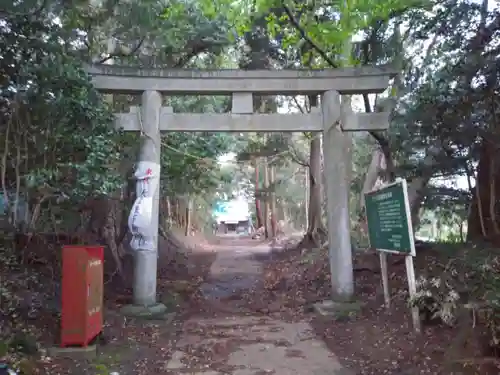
x=338 y=310
x=85 y=352
x=155 y=312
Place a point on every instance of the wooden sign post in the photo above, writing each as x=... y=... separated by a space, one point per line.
x=390 y=231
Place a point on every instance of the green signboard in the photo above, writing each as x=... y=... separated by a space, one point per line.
x=389 y=219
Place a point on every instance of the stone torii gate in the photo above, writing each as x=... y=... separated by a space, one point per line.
x=334 y=118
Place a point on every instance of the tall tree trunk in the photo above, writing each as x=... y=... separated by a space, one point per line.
x=266 y=200
x=168 y=212
x=484 y=214
x=272 y=180
x=415 y=197
x=180 y=212
x=258 y=208
x=314 y=215
x=372 y=177
x=105 y=222
x=306 y=198
x=281 y=211
x=187 y=228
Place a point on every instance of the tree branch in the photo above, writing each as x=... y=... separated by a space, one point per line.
x=296 y=102
x=195 y=51
x=197 y=47
x=475 y=47
x=295 y=23
x=121 y=53
x=297 y=157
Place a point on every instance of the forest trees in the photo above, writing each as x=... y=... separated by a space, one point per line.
x=444 y=113
x=444 y=100
x=60 y=152
x=57 y=135
x=451 y=112
x=318 y=35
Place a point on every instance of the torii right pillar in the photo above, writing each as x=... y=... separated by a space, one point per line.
x=337 y=118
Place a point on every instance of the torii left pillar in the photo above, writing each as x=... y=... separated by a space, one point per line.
x=146 y=259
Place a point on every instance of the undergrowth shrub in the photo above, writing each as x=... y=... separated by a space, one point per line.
x=436 y=300
x=467 y=291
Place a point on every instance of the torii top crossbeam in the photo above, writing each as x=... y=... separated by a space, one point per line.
x=359 y=80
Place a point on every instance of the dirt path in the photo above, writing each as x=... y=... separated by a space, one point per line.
x=216 y=328
x=225 y=339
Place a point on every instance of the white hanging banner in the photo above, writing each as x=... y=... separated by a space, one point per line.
x=141 y=215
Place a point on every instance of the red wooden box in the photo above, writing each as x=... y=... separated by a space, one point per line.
x=82 y=294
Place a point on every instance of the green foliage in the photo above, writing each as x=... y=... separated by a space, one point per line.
x=327 y=26
x=170 y=34
x=189 y=161
x=444 y=119
x=72 y=149
x=58 y=132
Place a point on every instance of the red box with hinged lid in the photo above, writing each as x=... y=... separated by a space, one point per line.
x=82 y=294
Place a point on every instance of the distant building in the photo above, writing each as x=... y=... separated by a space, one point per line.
x=233 y=216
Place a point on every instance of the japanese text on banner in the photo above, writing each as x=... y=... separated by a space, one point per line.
x=141 y=215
